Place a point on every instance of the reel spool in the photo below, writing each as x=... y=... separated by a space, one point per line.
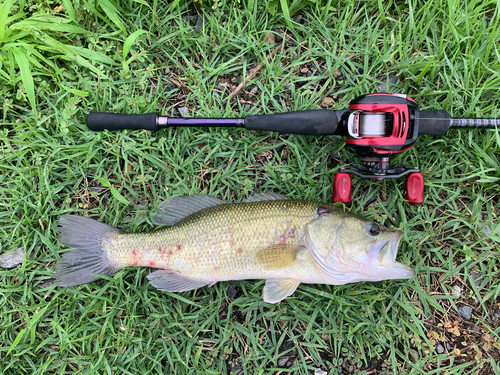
x=367 y=124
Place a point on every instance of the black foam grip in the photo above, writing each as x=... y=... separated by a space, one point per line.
x=433 y=122
x=312 y=122
x=115 y=121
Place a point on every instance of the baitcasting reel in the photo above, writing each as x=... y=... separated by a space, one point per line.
x=375 y=127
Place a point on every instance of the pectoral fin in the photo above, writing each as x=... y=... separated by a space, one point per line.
x=174 y=282
x=277 y=289
x=279 y=256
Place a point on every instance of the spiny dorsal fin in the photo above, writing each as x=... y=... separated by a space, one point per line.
x=277 y=289
x=177 y=208
x=262 y=197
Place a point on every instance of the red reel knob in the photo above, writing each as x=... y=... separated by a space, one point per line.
x=415 y=188
x=342 y=188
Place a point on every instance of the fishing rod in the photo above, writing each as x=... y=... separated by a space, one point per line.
x=375 y=127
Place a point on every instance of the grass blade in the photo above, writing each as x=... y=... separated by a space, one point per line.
x=71 y=53
x=112 y=13
x=92 y=55
x=4 y=11
x=286 y=13
x=26 y=76
x=113 y=190
x=58 y=24
x=70 y=11
x=130 y=40
x=33 y=320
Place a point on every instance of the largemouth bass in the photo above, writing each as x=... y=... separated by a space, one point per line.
x=207 y=240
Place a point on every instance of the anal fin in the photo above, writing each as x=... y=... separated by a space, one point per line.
x=277 y=289
x=170 y=281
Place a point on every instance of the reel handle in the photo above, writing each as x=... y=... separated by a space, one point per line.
x=414 y=187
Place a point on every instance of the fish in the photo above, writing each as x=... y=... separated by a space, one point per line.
x=204 y=240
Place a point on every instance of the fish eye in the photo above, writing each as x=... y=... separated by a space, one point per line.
x=374 y=229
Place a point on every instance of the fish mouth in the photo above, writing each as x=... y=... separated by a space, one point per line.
x=384 y=260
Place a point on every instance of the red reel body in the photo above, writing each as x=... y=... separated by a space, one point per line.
x=382 y=124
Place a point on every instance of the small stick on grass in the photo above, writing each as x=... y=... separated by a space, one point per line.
x=252 y=73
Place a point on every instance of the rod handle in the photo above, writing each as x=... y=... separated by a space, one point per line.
x=311 y=122
x=114 y=121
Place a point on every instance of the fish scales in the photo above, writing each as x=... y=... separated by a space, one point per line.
x=206 y=240
x=220 y=242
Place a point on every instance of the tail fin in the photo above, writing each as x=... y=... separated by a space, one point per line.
x=87 y=237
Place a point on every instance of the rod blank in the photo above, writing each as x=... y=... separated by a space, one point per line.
x=488 y=123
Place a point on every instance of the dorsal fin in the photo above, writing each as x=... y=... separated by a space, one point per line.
x=175 y=209
x=261 y=197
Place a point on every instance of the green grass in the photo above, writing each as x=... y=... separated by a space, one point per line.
x=57 y=65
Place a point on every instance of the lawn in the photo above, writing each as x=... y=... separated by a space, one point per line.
x=60 y=60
